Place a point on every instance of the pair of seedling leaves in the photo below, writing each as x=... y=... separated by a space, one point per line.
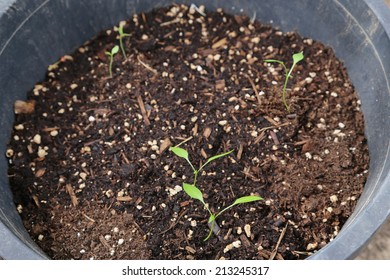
x=297 y=57
x=115 y=49
x=195 y=193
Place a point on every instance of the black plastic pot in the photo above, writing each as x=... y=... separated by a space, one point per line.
x=34 y=34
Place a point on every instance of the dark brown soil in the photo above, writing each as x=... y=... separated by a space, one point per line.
x=89 y=161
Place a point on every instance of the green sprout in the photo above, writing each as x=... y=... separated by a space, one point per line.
x=297 y=57
x=195 y=193
x=122 y=34
x=111 y=54
x=192 y=191
x=184 y=154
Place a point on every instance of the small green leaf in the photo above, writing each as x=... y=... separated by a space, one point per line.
x=115 y=49
x=297 y=57
x=179 y=152
x=108 y=53
x=121 y=33
x=218 y=156
x=277 y=61
x=214 y=158
x=246 y=199
x=273 y=60
x=193 y=192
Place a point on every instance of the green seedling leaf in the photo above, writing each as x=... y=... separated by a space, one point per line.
x=274 y=61
x=121 y=33
x=180 y=152
x=115 y=50
x=121 y=36
x=111 y=54
x=244 y=199
x=193 y=192
x=298 y=57
x=277 y=61
x=216 y=157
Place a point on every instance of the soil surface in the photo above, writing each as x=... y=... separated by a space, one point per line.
x=90 y=165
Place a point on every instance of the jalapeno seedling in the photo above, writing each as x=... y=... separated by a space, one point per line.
x=192 y=191
x=111 y=55
x=297 y=57
x=122 y=34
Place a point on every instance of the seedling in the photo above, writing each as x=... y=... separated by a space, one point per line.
x=184 y=154
x=111 y=54
x=122 y=34
x=297 y=57
x=195 y=193
x=192 y=191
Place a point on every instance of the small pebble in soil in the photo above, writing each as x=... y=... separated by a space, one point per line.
x=311 y=246
x=247 y=229
x=308 y=155
x=37 y=139
x=9 y=153
x=222 y=123
x=54 y=133
x=333 y=198
x=189 y=235
x=175 y=190
x=19 y=127
x=41 y=152
x=83 y=175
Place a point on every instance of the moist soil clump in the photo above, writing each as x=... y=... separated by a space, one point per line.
x=90 y=166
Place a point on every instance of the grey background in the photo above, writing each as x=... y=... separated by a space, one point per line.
x=379 y=247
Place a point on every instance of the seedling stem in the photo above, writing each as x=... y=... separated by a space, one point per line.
x=121 y=36
x=111 y=54
x=297 y=57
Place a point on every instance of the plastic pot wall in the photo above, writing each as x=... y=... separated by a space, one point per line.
x=34 y=34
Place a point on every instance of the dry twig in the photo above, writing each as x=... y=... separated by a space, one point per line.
x=274 y=251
